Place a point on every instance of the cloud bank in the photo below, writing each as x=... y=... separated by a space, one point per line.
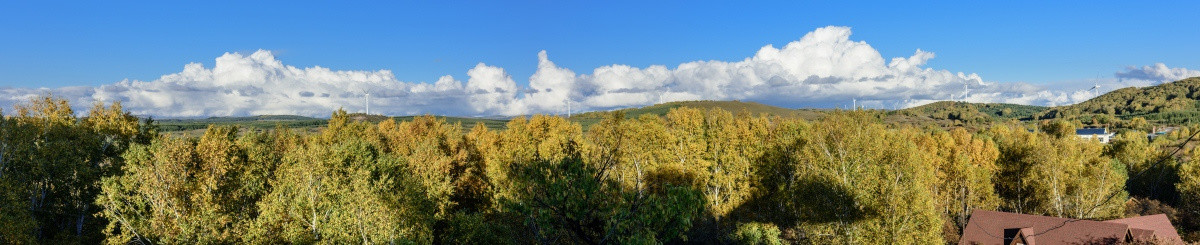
x=1158 y=73
x=825 y=68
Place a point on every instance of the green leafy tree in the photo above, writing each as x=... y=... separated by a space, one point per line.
x=50 y=160
x=569 y=201
x=1189 y=193
x=1059 y=128
x=757 y=234
x=1152 y=174
x=13 y=208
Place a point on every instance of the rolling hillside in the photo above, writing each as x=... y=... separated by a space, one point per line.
x=973 y=112
x=1170 y=103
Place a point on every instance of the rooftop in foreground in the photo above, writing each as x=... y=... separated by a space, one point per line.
x=992 y=227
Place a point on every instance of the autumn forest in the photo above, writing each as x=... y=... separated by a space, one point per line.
x=689 y=176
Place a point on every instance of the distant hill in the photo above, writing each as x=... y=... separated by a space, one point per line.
x=972 y=112
x=732 y=106
x=465 y=122
x=1171 y=103
x=1168 y=103
x=262 y=122
x=244 y=119
x=302 y=122
x=586 y=119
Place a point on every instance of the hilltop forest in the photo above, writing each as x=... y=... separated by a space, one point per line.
x=686 y=176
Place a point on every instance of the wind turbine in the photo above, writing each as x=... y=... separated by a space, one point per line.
x=966 y=90
x=366 y=100
x=568 y=101
x=662 y=95
x=1096 y=85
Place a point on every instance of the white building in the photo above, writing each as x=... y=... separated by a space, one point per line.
x=1101 y=134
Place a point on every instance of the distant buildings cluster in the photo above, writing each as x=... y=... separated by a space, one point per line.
x=1105 y=136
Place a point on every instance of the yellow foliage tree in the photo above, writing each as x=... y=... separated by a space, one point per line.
x=965 y=166
x=858 y=182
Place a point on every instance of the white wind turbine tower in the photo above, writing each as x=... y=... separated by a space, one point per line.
x=1094 y=89
x=662 y=94
x=568 y=102
x=367 y=101
x=966 y=91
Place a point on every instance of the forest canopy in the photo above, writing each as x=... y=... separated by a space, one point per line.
x=687 y=176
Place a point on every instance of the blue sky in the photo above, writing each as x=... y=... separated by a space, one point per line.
x=55 y=44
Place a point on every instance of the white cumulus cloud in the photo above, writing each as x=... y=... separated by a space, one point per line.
x=825 y=68
x=1157 y=73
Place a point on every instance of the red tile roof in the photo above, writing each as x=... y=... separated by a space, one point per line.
x=992 y=227
x=1151 y=227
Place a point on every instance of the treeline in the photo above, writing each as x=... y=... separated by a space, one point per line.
x=690 y=176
